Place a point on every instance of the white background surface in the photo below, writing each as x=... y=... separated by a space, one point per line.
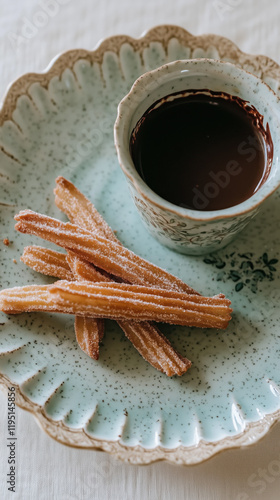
x=45 y=469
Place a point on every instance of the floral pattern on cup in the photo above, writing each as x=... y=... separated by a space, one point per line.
x=191 y=237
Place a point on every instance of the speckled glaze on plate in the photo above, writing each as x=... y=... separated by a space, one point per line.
x=61 y=123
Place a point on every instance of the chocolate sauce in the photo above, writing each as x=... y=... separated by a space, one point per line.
x=202 y=150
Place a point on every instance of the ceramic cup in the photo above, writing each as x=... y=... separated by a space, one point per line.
x=192 y=231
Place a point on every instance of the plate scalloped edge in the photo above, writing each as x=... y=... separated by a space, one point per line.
x=137 y=455
x=164 y=33
x=253 y=431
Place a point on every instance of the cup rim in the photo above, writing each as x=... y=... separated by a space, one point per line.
x=125 y=112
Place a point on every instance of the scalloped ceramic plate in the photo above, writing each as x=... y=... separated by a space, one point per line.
x=61 y=123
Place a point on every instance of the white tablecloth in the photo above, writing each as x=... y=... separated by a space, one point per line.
x=46 y=469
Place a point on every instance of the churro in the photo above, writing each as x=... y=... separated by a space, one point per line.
x=89 y=332
x=155 y=348
x=104 y=254
x=83 y=270
x=28 y=299
x=80 y=210
x=46 y=261
x=139 y=303
x=120 y=301
x=147 y=339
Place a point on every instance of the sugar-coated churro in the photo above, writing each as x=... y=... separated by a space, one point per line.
x=83 y=270
x=80 y=210
x=152 y=345
x=120 y=301
x=28 y=299
x=110 y=256
x=132 y=302
x=129 y=301
x=46 y=261
x=155 y=348
x=125 y=302
x=89 y=332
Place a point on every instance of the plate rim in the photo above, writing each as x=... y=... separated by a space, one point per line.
x=137 y=455
x=78 y=438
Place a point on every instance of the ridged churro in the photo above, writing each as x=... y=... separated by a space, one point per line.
x=28 y=299
x=80 y=210
x=119 y=301
x=89 y=332
x=83 y=270
x=107 y=255
x=46 y=261
x=154 y=347
x=139 y=303
x=145 y=337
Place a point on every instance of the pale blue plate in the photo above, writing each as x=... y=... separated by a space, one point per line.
x=61 y=123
